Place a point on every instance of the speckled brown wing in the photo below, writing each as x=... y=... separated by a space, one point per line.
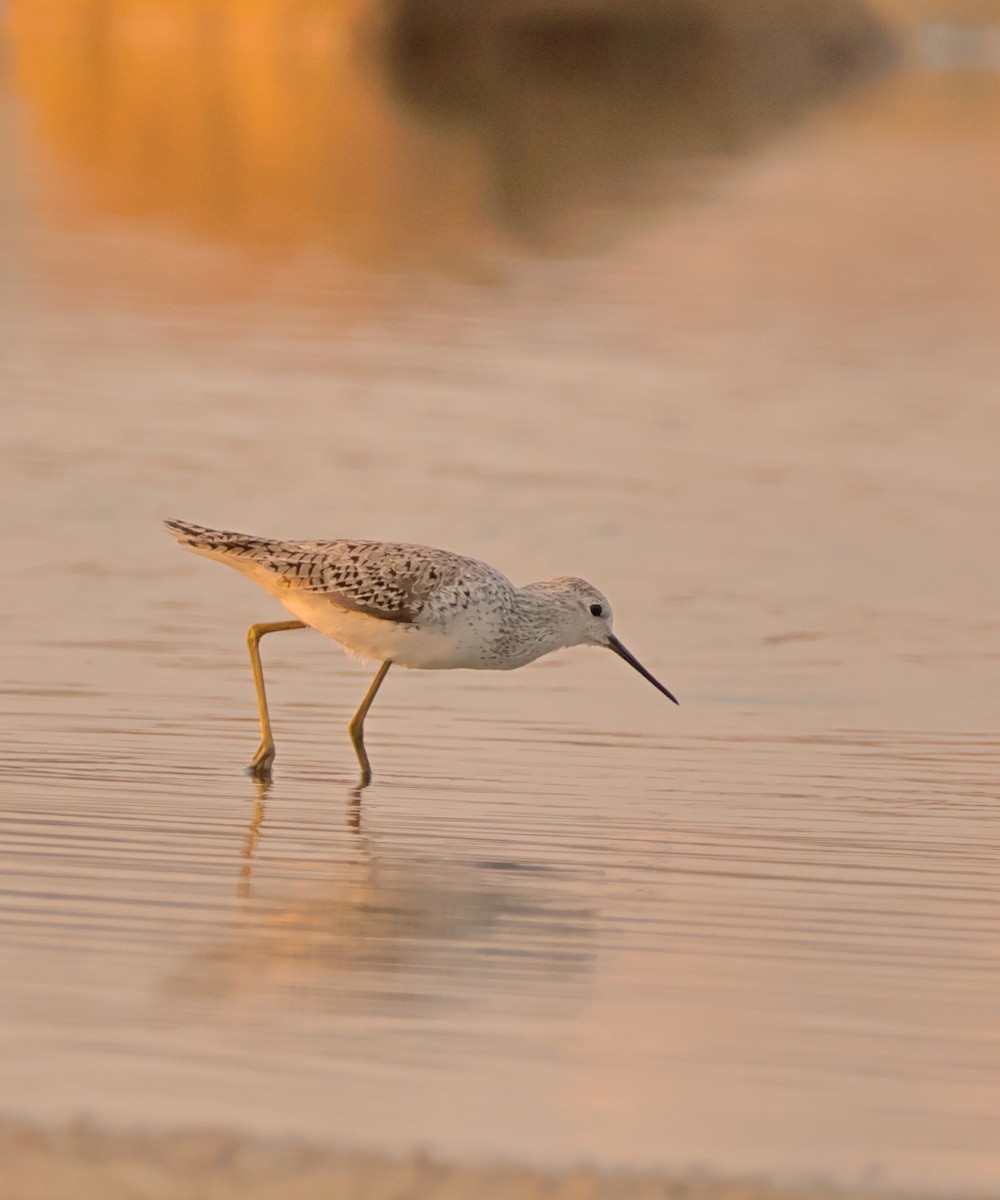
x=387 y=580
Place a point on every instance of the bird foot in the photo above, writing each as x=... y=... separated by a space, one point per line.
x=260 y=768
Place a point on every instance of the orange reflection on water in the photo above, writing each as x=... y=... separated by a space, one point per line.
x=274 y=126
x=247 y=121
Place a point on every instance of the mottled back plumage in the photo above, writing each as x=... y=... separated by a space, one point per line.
x=392 y=581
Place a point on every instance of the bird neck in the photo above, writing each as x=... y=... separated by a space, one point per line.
x=533 y=627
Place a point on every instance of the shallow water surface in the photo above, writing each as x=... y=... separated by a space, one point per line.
x=745 y=381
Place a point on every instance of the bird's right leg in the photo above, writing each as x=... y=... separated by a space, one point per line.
x=357 y=726
x=260 y=768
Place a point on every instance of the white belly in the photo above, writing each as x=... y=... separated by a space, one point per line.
x=407 y=645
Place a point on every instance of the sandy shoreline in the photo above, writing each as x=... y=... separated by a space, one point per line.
x=82 y=1162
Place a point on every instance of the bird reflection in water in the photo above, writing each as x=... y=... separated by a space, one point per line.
x=262 y=787
x=383 y=931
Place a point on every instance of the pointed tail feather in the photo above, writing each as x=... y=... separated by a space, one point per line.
x=222 y=544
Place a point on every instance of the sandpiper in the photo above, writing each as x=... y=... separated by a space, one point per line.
x=413 y=606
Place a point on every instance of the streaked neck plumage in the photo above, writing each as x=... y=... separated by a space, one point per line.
x=540 y=621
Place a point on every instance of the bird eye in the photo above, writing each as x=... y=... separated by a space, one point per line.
x=596 y=610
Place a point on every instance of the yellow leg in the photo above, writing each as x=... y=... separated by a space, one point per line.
x=357 y=726
x=260 y=768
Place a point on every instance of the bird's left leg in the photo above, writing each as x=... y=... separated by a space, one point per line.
x=357 y=726
x=260 y=768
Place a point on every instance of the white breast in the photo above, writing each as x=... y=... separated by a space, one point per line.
x=407 y=645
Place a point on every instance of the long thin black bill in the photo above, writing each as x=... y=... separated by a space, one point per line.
x=632 y=661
